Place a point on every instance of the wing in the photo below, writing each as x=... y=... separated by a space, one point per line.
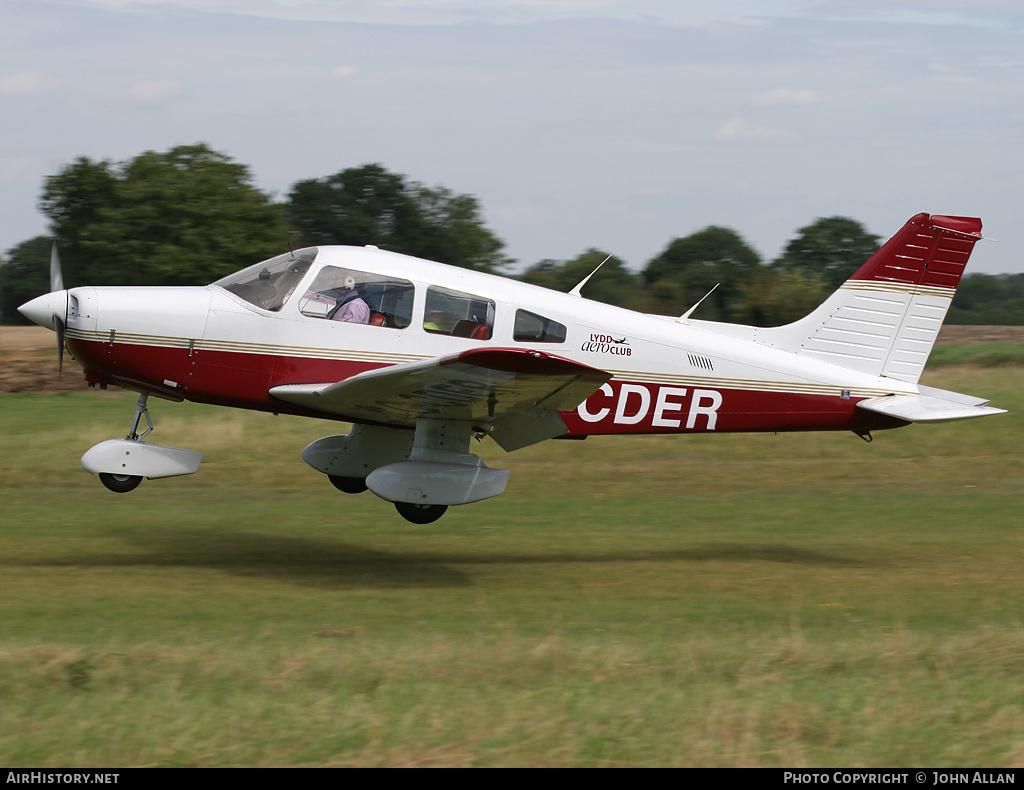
x=513 y=394
x=932 y=405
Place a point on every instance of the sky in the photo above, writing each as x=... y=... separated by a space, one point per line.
x=613 y=124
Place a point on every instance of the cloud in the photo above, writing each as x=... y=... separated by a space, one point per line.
x=342 y=73
x=453 y=12
x=950 y=75
x=1001 y=62
x=15 y=170
x=449 y=12
x=738 y=130
x=414 y=12
x=948 y=12
x=153 y=92
x=784 y=97
x=26 y=83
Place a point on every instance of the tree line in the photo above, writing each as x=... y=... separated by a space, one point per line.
x=191 y=215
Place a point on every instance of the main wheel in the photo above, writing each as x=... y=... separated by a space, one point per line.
x=420 y=514
x=350 y=485
x=122 y=484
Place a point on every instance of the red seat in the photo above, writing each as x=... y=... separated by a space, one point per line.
x=464 y=328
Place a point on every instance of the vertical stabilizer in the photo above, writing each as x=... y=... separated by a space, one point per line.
x=884 y=320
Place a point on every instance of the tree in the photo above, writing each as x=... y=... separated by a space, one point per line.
x=184 y=217
x=23 y=276
x=612 y=284
x=775 y=298
x=78 y=199
x=358 y=206
x=369 y=205
x=688 y=268
x=832 y=248
x=988 y=299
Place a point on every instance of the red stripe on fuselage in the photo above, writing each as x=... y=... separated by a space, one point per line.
x=242 y=380
x=234 y=379
x=632 y=407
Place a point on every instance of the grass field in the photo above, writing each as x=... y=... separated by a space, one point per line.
x=765 y=600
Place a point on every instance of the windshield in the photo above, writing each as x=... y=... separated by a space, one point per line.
x=268 y=284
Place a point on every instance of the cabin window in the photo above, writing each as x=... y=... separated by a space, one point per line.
x=342 y=294
x=458 y=314
x=269 y=284
x=533 y=328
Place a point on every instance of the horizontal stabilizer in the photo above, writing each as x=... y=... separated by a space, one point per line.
x=932 y=405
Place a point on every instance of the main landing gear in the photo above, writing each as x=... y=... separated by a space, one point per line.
x=420 y=514
x=122 y=463
x=422 y=472
x=417 y=514
x=350 y=485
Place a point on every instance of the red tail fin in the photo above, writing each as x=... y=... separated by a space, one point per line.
x=885 y=318
x=929 y=251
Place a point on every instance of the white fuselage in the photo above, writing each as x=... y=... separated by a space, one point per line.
x=211 y=345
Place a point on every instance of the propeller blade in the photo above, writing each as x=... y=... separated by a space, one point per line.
x=59 y=322
x=58 y=325
x=56 y=276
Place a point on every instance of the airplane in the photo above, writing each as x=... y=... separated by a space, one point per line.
x=441 y=355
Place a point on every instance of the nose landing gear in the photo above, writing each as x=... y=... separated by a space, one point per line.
x=122 y=463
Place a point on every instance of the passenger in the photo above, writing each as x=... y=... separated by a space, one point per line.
x=433 y=321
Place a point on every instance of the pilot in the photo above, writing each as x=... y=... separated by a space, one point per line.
x=350 y=306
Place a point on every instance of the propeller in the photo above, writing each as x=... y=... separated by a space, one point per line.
x=59 y=322
x=56 y=278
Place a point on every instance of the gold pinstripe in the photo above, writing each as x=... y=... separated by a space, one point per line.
x=871 y=286
x=801 y=388
x=239 y=347
x=639 y=377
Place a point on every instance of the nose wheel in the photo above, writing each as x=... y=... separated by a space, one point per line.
x=420 y=514
x=121 y=484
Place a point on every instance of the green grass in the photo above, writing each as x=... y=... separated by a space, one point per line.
x=789 y=600
x=989 y=354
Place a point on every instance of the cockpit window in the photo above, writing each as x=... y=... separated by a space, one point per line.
x=458 y=314
x=342 y=294
x=269 y=284
x=534 y=328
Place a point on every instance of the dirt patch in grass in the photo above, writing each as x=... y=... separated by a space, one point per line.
x=961 y=335
x=28 y=362
x=22 y=339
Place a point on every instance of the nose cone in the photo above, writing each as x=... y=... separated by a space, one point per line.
x=43 y=308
